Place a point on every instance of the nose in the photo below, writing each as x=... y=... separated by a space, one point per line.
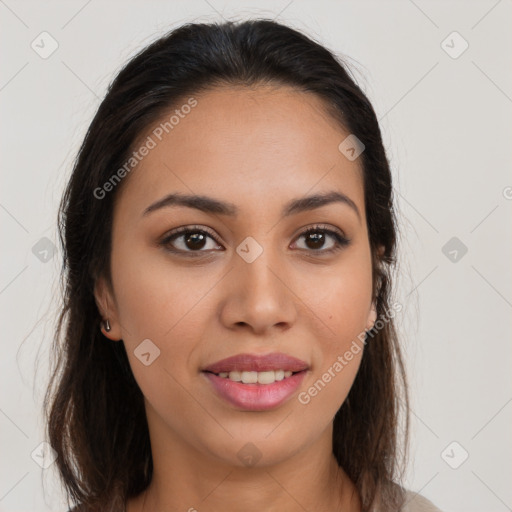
x=259 y=296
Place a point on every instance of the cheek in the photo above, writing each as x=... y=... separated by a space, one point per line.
x=167 y=306
x=325 y=390
x=156 y=297
x=338 y=354
x=344 y=300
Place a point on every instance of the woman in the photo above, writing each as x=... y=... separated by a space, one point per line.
x=227 y=336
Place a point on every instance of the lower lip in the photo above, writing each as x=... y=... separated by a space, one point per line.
x=256 y=397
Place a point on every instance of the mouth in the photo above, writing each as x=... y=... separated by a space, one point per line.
x=254 y=382
x=255 y=391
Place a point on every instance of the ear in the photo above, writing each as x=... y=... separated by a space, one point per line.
x=105 y=302
x=372 y=317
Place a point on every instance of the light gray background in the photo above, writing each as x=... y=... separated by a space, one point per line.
x=447 y=127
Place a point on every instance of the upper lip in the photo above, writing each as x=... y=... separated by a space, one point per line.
x=258 y=363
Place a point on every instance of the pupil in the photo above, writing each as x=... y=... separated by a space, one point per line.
x=196 y=239
x=317 y=239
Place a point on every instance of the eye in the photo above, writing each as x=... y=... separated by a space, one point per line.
x=192 y=239
x=316 y=237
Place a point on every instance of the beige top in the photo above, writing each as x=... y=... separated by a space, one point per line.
x=413 y=503
x=417 y=503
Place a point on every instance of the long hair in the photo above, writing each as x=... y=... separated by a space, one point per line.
x=93 y=407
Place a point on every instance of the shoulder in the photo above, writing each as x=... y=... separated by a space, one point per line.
x=415 y=502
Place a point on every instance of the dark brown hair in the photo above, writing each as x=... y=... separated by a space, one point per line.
x=94 y=408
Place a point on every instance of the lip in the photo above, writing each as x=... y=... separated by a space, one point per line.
x=258 y=363
x=256 y=397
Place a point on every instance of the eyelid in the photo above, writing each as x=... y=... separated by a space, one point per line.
x=341 y=239
x=185 y=229
x=320 y=227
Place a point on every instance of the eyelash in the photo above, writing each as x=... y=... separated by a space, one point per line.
x=340 y=240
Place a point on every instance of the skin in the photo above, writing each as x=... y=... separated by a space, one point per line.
x=257 y=148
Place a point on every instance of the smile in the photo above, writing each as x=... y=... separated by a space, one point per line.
x=256 y=391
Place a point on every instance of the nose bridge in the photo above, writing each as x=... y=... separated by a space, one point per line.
x=260 y=297
x=257 y=267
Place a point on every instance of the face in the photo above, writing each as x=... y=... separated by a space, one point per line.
x=246 y=278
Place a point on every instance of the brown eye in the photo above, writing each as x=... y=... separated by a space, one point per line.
x=317 y=237
x=194 y=240
x=189 y=239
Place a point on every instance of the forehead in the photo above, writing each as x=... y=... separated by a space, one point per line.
x=253 y=146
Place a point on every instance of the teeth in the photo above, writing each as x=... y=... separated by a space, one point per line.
x=249 y=377
x=266 y=377
x=236 y=376
x=257 y=377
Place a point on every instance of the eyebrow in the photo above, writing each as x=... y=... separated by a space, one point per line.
x=210 y=205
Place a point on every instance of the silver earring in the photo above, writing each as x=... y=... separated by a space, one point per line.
x=106 y=324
